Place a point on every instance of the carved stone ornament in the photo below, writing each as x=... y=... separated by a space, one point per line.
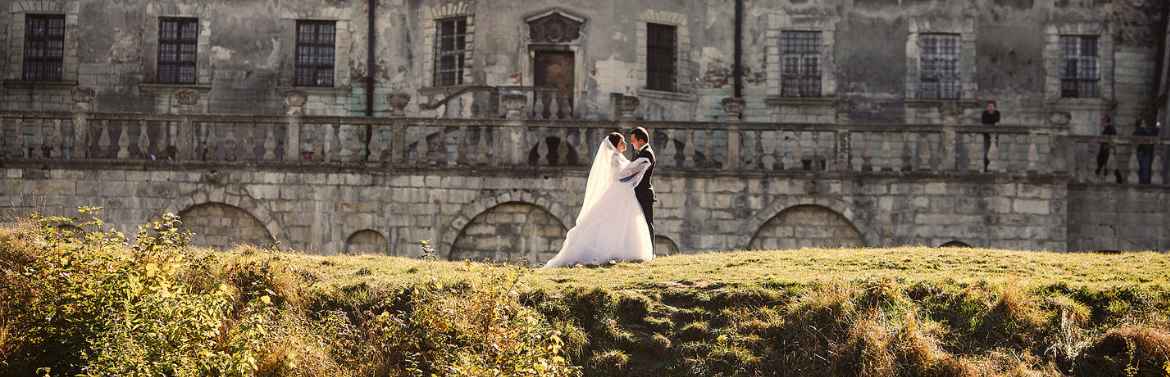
x=398 y=102
x=187 y=97
x=733 y=106
x=83 y=94
x=1060 y=118
x=554 y=28
x=295 y=98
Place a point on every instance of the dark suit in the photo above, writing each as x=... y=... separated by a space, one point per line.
x=644 y=191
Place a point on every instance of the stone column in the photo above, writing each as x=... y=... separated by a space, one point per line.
x=733 y=107
x=182 y=140
x=951 y=118
x=78 y=147
x=295 y=103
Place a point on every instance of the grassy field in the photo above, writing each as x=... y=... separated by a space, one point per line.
x=90 y=304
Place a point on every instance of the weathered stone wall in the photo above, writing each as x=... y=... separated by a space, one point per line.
x=870 y=61
x=223 y=226
x=806 y=226
x=1104 y=217
x=522 y=215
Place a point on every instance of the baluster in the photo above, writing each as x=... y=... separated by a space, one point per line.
x=734 y=153
x=423 y=148
x=689 y=149
x=332 y=134
x=103 y=140
x=143 y=141
x=446 y=150
x=709 y=148
x=538 y=105
x=377 y=143
x=772 y=150
x=59 y=141
x=1131 y=176
x=540 y=144
x=231 y=142
x=1156 y=166
x=554 y=107
x=5 y=140
x=124 y=142
x=344 y=141
x=399 y=148
x=887 y=160
x=171 y=148
x=269 y=142
x=563 y=147
x=585 y=146
x=926 y=155
x=1033 y=154
x=758 y=152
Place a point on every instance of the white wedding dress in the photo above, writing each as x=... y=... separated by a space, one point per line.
x=611 y=226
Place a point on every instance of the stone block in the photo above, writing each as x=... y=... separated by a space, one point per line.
x=1028 y=206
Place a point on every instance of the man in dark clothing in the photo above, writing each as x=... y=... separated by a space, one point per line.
x=1145 y=151
x=644 y=191
x=989 y=119
x=1106 y=148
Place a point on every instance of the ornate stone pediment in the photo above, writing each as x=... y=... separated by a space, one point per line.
x=555 y=26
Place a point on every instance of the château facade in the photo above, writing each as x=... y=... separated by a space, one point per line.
x=367 y=125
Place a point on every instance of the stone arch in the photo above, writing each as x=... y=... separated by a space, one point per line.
x=509 y=232
x=367 y=242
x=233 y=196
x=479 y=206
x=806 y=226
x=784 y=203
x=222 y=226
x=955 y=243
x=664 y=246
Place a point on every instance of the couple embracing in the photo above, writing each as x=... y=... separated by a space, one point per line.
x=616 y=222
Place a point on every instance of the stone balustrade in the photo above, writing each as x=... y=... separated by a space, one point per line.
x=390 y=143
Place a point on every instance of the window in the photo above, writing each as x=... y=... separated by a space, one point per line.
x=661 y=57
x=44 y=47
x=178 y=40
x=1080 y=74
x=939 y=67
x=450 y=46
x=315 y=53
x=801 y=72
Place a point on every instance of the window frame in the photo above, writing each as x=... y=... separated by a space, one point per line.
x=179 y=42
x=1081 y=79
x=658 y=78
x=325 y=66
x=457 y=52
x=800 y=82
x=933 y=81
x=41 y=68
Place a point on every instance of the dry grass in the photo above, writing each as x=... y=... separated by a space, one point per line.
x=811 y=312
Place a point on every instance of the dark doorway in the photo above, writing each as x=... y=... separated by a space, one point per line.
x=554 y=75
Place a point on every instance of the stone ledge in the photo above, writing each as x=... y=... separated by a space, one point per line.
x=55 y=85
x=668 y=96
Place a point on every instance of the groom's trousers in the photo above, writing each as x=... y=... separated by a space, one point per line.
x=647 y=203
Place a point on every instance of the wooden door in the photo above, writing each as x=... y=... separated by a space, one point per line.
x=554 y=84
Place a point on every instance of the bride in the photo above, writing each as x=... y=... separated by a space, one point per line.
x=611 y=226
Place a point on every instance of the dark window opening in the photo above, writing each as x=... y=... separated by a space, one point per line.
x=450 y=51
x=315 y=53
x=178 y=42
x=661 y=57
x=44 y=47
x=801 y=72
x=1080 y=74
x=939 y=65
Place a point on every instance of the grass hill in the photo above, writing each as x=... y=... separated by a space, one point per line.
x=91 y=304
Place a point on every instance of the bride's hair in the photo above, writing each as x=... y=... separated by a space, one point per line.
x=615 y=139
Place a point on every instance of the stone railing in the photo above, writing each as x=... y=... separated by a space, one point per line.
x=501 y=102
x=1126 y=156
x=387 y=143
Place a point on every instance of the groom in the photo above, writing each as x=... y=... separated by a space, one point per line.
x=644 y=191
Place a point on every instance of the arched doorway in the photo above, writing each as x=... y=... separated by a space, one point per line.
x=222 y=226
x=510 y=232
x=806 y=226
x=664 y=246
x=367 y=242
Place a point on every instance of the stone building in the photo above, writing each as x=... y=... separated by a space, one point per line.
x=1047 y=62
x=368 y=125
